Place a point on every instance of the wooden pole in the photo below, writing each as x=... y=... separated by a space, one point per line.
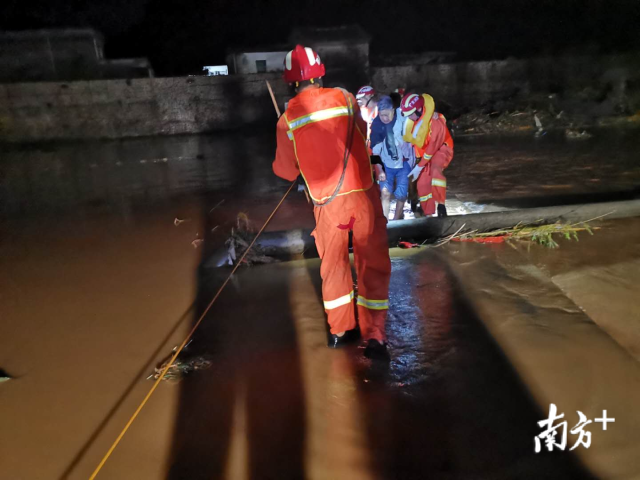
x=273 y=98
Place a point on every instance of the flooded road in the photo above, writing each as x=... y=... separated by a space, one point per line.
x=98 y=284
x=486 y=173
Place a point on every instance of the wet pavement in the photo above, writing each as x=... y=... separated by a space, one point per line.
x=449 y=405
x=98 y=285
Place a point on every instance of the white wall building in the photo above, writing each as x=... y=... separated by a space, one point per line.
x=262 y=60
x=214 y=70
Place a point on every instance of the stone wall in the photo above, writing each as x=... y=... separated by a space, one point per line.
x=472 y=84
x=31 y=112
x=44 y=111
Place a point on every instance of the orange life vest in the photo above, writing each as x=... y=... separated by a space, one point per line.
x=317 y=123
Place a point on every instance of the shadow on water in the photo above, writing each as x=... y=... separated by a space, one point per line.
x=252 y=395
x=450 y=405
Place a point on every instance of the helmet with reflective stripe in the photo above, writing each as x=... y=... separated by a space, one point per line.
x=364 y=91
x=411 y=103
x=302 y=63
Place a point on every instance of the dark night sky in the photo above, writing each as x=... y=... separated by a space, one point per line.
x=179 y=36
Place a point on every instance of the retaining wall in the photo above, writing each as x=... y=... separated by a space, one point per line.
x=136 y=107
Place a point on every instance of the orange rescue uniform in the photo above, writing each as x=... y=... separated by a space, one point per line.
x=311 y=137
x=435 y=155
x=368 y=115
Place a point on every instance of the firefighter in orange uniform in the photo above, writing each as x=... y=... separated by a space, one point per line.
x=366 y=98
x=427 y=131
x=321 y=136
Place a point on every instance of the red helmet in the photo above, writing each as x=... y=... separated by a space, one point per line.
x=411 y=103
x=302 y=63
x=364 y=91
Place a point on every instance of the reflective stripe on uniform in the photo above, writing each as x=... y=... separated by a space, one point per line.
x=338 y=302
x=317 y=117
x=427 y=157
x=438 y=182
x=373 y=304
x=425 y=198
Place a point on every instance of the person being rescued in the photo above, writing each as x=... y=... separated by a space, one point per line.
x=396 y=155
x=427 y=131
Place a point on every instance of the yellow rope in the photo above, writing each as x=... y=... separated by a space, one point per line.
x=184 y=342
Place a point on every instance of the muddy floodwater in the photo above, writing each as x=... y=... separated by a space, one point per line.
x=487 y=172
x=101 y=246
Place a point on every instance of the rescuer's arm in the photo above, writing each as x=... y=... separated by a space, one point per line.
x=285 y=165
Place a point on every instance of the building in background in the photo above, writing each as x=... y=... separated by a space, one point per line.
x=344 y=50
x=62 y=55
x=257 y=60
x=215 y=70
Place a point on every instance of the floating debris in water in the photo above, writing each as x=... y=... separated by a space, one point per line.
x=239 y=241
x=217 y=205
x=180 y=367
x=541 y=234
x=540 y=132
x=574 y=134
x=4 y=376
x=197 y=242
x=177 y=221
x=242 y=222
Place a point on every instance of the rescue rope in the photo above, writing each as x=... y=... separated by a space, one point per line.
x=185 y=341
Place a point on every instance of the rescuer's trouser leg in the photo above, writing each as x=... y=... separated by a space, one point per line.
x=332 y=243
x=373 y=266
x=425 y=192
x=432 y=184
x=360 y=212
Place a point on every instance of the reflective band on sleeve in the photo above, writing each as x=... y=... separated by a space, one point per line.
x=438 y=182
x=318 y=116
x=373 y=304
x=338 y=302
x=427 y=157
x=290 y=135
x=425 y=198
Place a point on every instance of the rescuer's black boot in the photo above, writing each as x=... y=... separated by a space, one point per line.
x=349 y=336
x=442 y=210
x=376 y=351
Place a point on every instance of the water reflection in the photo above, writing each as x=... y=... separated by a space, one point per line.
x=505 y=171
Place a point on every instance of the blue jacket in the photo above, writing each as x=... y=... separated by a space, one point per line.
x=385 y=139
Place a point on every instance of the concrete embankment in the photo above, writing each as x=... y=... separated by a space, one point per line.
x=290 y=243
